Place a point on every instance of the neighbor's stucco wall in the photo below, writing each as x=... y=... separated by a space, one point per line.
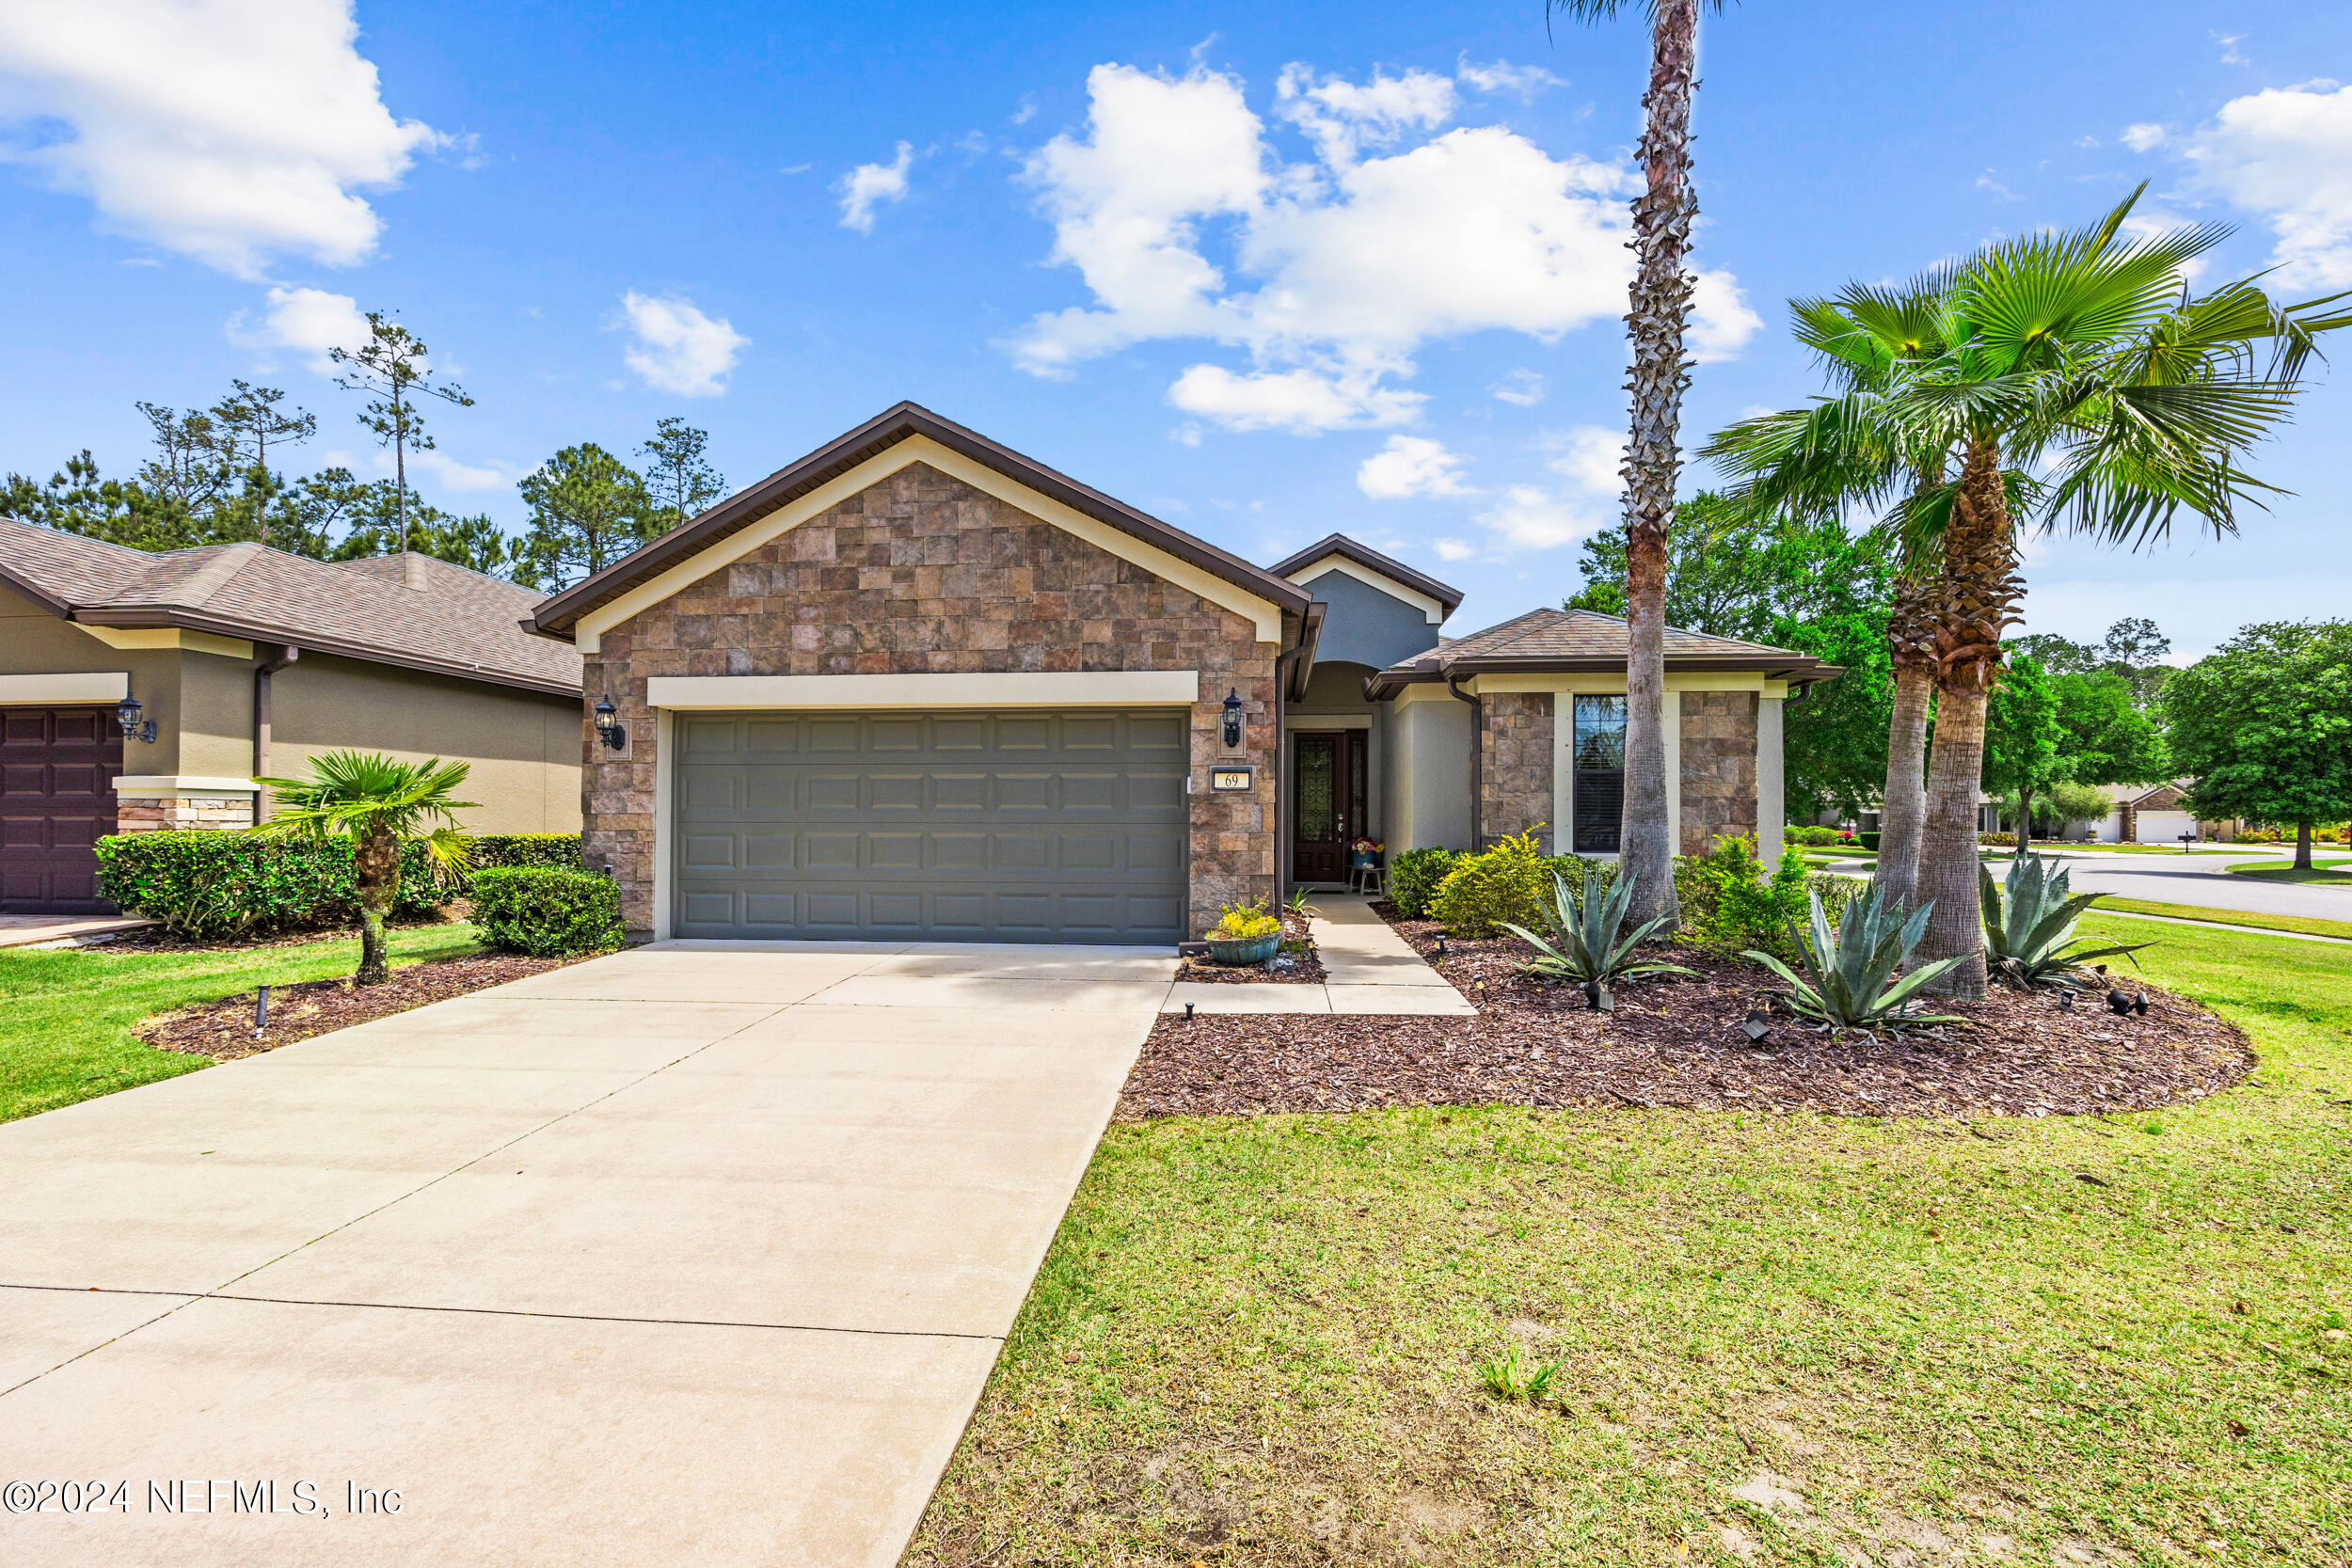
x=920 y=572
x=522 y=748
x=34 y=641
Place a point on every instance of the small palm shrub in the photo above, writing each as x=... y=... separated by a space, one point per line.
x=1413 y=879
x=2029 y=921
x=1584 y=938
x=1854 y=983
x=548 y=914
x=1485 y=892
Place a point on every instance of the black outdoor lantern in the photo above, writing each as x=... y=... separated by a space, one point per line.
x=609 y=726
x=127 y=714
x=1232 y=717
x=1757 y=1025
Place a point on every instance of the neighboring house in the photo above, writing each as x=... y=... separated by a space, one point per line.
x=2157 y=815
x=246 y=660
x=917 y=685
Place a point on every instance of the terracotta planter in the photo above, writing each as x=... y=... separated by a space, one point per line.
x=1240 y=951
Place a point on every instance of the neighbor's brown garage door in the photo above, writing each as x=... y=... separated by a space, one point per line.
x=57 y=772
x=933 y=827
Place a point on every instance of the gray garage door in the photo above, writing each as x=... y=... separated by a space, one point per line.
x=939 y=826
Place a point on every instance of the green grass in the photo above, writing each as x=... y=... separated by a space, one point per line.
x=2138 y=849
x=65 y=1031
x=1259 y=1340
x=2308 y=924
x=2338 y=871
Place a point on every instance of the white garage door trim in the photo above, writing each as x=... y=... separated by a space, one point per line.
x=1027 y=689
x=2162 y=827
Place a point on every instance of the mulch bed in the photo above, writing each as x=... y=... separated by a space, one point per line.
x=223 y=1030
x=1677 y=1043
x=158 y=938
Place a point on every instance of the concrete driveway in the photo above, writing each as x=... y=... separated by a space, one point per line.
x=696 y=1254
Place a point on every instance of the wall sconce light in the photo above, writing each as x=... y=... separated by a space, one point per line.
x=127 y=714
x=609 y=726
x=1232 y=718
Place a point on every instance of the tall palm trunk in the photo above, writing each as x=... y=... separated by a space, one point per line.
x=1660 y=299
x=1903 y=804
x=375 y=868
x=1980 y=585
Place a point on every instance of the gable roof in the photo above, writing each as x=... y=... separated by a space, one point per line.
x=557 y=615
x=1549 y=640
x=1372 y=560
x=410 y=610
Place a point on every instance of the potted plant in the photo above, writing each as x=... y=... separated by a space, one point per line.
x=1244 y=934
x=1364 y=853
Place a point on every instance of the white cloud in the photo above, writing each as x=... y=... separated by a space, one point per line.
x=308 y=321
x=1453 y=550
x=1411 y=466
x=1529 y=518
x=2229 y=42
x=1331 y=273
x=454 y=475
x=870 y=185
x=677 y=348
x=1591 y=457
x=1521 y=81
x=1721 y=322
x=1523 y=388
x=2285 y=152
x=2140 y=137
x=226 y=130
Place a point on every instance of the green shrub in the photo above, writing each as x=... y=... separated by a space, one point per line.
x=1741 y=908
x=1413 y=879
x=1482 y=891
x=546 y=913
x=554 y=851
x=1869 y=840
x=1997 y=841
x=1811 y=833
x=1245 y=921
x=227 y=885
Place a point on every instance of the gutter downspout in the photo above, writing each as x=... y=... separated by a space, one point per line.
x=287 y=654
x=1478 y=758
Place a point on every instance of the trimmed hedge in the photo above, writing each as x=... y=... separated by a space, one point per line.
x=552 y=851
x=229 y=884
x=548 y=914
x=1413 y=879
x=1869 y=840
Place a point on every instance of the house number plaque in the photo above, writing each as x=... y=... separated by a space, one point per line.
x=1224 y=779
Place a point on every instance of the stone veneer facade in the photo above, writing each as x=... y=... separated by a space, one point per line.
x=1718 y=768
x=921 y=572
x=1515 y=743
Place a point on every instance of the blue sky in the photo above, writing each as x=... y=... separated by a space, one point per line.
x=1265 y=271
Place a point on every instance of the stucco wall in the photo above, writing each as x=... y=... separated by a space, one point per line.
x=1363 y=626
x=922 y=573
x=36 y=641
x=523 y=748
x=1429 y=776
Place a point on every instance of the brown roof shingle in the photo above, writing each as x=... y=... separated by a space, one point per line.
x=1584 y=640
x=412 y=610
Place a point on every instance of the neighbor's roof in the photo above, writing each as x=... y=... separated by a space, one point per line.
x=453 y=623
x=1545 y=641
x=1372 y=560
x=556 y=616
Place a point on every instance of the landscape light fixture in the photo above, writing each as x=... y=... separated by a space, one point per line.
x=127 y=714
x=2066 y=1001
x=1188 y=1007
x=1757 y=1025
x=609 y=726
x=1232 y=718
x=2117 y=1003
x=1442 y=947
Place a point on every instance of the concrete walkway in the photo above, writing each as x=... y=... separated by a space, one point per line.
x=66 y=930
x=696 y=1254
x=1368 y=969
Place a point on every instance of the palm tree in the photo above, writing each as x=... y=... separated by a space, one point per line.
x=2081 y=361
x=375 y=802
x=1662 y=214
x=1839 y=453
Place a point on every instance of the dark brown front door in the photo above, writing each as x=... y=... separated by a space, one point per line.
x=1327 y=801
x=57 y=769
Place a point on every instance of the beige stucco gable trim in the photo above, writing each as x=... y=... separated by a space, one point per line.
x=1262 y=613
x=166 y=637
x=1430 y=608
x=94 y=686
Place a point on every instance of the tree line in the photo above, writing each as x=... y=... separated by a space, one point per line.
x=219 y=475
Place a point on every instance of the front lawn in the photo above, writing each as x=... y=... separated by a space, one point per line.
x=1780 y=1336
x=2338 y=871
x=65 y=1033
x=2254 y=920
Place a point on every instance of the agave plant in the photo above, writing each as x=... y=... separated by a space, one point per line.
x=2029 y=939
x=1854 y=983
x=1586 y=939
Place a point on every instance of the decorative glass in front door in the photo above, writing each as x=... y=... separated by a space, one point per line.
x=1318 y=788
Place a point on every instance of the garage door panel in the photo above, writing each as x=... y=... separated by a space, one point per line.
x=57 y=769
x=1011 y=826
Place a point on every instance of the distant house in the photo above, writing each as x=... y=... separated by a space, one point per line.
x=917 y=685
x=2159 y=816
x=245 y=660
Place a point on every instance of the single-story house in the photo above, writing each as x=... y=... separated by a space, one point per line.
x=2157 y=815
x=244 y=660
x=917 y=685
